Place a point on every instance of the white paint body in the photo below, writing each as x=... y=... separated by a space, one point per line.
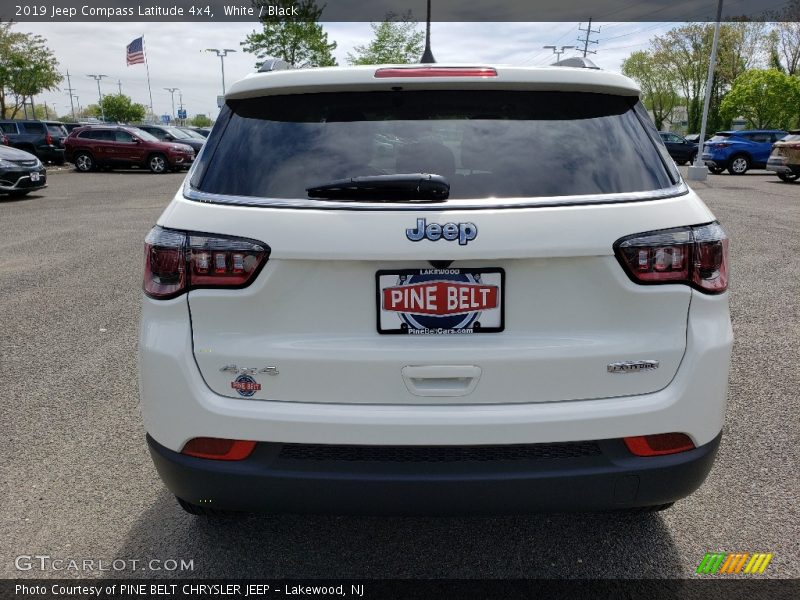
x=311 y=313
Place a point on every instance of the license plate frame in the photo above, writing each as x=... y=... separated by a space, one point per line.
x=470 y=324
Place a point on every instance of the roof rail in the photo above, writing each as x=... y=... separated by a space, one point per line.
x=580 y=62
x=274 y=64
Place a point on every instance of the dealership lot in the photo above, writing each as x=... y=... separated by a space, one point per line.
x=78 y=484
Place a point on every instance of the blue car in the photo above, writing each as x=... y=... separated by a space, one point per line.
x=739 y=151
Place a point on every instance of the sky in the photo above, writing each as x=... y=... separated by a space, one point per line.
x=176 y=57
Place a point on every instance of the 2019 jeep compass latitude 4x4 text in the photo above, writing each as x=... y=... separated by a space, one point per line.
x=420 y=289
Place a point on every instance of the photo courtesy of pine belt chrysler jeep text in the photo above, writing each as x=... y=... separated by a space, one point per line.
x=422 y=289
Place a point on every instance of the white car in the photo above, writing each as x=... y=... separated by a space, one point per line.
x=514 y=304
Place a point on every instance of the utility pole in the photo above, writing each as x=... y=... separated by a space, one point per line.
x=222 y=54
x=119 y=86
x=97 y=78
x=172 y=95
x=586 y=41
x=78 y=100
x=70 y=90
x=558 y=52
x=180 y=104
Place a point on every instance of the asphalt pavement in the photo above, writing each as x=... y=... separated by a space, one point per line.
x=77 y=482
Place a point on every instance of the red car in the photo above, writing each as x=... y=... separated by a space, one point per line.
x=118 y=146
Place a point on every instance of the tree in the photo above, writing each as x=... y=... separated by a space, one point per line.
x=119 y=108
x=200 y=121
x=657 y=82
x=766 y=98
x=394 y=42
x=27 y=68
x=299 y=40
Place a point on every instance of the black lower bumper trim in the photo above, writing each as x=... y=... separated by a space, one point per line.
x=274 y=480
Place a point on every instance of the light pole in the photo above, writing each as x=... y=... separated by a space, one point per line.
x=222 y=54
x=698 y=171
x=97 y=78
x=558 y=52
x=172 y=94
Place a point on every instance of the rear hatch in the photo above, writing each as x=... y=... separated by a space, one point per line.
x=509 y=291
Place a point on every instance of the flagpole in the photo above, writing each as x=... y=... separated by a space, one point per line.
x=149 y=89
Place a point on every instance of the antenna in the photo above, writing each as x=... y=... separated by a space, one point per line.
x=586 y=41
x=427 y=56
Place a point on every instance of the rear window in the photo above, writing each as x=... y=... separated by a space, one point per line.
x=8 y=127
x=486 y=143
x=720 y=137
x=792 y=137
x=56 y=129
x=34 y=127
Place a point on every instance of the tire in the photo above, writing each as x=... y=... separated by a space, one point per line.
x=84 y=162
x=789 y=177
x=692 y=158
x=59 y=162
x=157 y=163
x=739 y=165
x=199 y=511
x=716 y=170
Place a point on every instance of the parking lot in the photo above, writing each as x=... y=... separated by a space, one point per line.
x=77 y=481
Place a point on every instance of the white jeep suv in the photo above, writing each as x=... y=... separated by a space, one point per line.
x=434 y=289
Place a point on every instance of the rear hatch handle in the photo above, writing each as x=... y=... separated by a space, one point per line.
x=441 y=380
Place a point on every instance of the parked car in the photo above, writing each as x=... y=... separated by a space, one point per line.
x=443 y=330
x=785 y=157
x=112 y=146
x=680 y=149
x=204 y=131
x=20 y=172
x=694 y=138
x=740 y=151
x=44 y=139
x=192 y=133
x=167 y=133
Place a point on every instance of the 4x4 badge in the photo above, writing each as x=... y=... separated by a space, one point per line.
x=463 y=232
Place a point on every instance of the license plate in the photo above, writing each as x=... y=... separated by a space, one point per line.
x=34 y=177
x=441 y=301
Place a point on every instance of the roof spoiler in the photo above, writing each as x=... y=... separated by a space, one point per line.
x=274 y=64
x=580 y=62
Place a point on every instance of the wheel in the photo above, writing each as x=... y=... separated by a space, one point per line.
x=194 y=509
x=693 y=158
x=84 y=162
x=716 y=170
x=59 y=162
x=789 y=177
x=681 y=163
x=739 y=165
x=157 y=163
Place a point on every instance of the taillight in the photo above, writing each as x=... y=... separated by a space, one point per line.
x=435 y=72
x=658 y=445
x=722 y=145
x=178 y=261
x=218 y=448
x=696 y=256
x=48 y=139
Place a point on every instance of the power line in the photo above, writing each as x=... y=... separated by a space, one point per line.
x=587 y=40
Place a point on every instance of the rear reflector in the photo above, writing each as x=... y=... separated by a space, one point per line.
x=218 y=448
x=696 y=256
x=658 y=445
x=435 y=72
x=178 y=261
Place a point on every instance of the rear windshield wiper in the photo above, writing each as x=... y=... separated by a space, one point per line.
x=402 y=187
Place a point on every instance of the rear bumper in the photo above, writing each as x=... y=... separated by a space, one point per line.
x=52 y=153
x=298 y=478
x=779 y=165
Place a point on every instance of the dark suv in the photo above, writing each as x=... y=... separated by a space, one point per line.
x=680 y=149
x=117 y=146
x=44 y=139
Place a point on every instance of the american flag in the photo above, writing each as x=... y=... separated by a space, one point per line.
x=135 y=54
